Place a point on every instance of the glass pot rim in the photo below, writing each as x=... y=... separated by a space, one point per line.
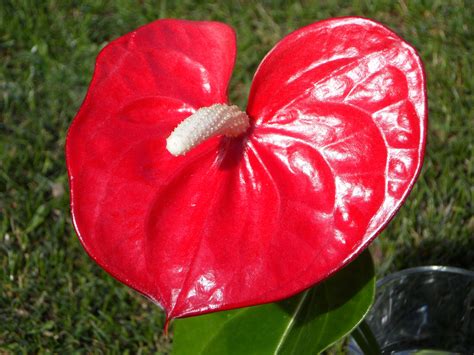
x=424 y=269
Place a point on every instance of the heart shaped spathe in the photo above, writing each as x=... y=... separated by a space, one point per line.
x=338 y=122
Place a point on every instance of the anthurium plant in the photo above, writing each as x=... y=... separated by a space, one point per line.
x=203 y=206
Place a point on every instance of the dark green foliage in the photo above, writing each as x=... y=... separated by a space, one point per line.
x=52 y=296
x=304 y=324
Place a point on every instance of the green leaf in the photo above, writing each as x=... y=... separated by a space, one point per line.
x=305 y=324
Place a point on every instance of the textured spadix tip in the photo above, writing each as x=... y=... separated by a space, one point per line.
x=207 y=122
x=175 y=146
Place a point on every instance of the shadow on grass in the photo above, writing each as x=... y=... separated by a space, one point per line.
x=436 y=251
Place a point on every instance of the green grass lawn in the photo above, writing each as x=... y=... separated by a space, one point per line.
x=53 y=298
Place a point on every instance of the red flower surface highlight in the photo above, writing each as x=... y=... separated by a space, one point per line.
x=338 y=119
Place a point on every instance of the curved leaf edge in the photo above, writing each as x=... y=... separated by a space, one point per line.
x=242 y=311
x=372 y=299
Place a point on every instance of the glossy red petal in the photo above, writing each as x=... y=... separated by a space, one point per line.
x=144 y=84
x=351 y=93
x=339 y=122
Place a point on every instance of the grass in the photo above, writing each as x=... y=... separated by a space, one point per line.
x=53 y=298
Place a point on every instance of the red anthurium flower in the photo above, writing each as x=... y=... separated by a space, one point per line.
x=264 y=203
